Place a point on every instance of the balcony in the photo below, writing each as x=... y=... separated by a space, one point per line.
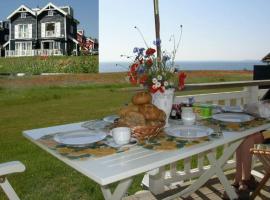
x=36 y=52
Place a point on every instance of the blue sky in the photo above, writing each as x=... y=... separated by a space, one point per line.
x=212 y=29
x=86 y=11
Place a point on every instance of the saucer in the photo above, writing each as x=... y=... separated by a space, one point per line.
x=110 y=142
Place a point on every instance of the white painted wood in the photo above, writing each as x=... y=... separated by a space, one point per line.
x=119 y=191
x=58 y=29
x=137 y=160
x=156 y=182
x=16 y=31
x=6 y=169
x=202 y=98
x=9 y=191
x=253 y=94
x=11 y=167
x=30 y=31
x=43 y=32
x=216 y=168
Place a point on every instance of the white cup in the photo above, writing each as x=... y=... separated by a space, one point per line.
x=188 y=116
x=121 y=135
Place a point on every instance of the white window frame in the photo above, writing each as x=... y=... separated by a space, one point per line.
x=50 y=13
x=23 y=52
x=23 y=15
x=54 y=32
x=25 y=33
x=42 y=44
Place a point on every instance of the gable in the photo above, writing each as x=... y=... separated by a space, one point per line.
x=51 y=6
x=22 y=9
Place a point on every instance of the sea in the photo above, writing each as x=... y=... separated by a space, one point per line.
x=187 y=65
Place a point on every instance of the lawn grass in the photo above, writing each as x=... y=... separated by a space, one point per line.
x=52 y=64
x=24 y=108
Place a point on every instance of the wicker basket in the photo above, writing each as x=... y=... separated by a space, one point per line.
x=146 y=132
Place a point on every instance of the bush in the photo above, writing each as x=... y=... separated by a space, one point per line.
x=54 y=64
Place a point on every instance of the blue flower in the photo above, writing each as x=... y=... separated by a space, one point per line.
x=157 y=42
x=165 y=58
x=140 y=70
x=135 y=50
x=141 y=50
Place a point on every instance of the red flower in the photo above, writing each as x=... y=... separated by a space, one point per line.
x=133 y=80
x=181 y=84
x=150 y=51
x=149 y=62
x=154 y=89
x=134 y=67
x=143 y=79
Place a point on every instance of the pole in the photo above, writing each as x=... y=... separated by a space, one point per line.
x=157 y=28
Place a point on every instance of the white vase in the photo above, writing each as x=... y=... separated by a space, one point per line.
x=164 y=101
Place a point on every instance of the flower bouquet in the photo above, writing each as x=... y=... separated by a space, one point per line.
x=157 y=74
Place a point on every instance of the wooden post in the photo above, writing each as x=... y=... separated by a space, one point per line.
x=157 y=28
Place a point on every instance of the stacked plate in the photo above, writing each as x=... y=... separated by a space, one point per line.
x=189 y=132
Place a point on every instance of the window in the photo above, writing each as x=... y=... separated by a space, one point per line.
x=23 y=15
x=6 y=37
x=50 y=13
x=23 y=31
x=23 y=48
x=50 y=29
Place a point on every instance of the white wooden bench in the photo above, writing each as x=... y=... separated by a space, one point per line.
x=7 y=169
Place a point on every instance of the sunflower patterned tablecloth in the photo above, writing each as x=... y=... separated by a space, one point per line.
x=97 y=149
x=165 y=142
x=162 y=142
x=233 y=126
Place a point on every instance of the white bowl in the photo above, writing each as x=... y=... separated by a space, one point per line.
x=121 y=135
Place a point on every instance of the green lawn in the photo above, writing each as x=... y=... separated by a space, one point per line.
x=53 y=64
x=34 y=107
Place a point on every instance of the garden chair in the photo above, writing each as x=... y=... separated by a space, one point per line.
x=6 y=169
x=262 y=152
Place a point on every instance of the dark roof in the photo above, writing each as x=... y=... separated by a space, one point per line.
x=266 y=59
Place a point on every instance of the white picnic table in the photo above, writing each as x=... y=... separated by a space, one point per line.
x=122 y=167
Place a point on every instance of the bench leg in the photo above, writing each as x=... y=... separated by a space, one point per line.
x=119 y=192
x=260 y=186
x=8 y=190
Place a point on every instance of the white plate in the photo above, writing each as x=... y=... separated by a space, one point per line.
x=189 y=132
x=79 y=138
x=111 y=118
x=96 y=124
x=232 y=117
x=235 y=109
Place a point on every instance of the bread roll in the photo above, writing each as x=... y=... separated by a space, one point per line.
x=132 y=119
x=149 y=111
x=127 y=109
x=142 y=98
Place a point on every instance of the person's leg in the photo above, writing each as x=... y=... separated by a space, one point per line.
x=238 y=175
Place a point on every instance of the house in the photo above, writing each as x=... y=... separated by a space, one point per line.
x=4 y=35
x=51 y=30
x=86 y=44
x=266 y=59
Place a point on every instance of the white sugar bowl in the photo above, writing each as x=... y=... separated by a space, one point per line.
x=188 y=116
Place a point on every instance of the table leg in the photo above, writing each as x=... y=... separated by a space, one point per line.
x=119 y=191
x=216 y=168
